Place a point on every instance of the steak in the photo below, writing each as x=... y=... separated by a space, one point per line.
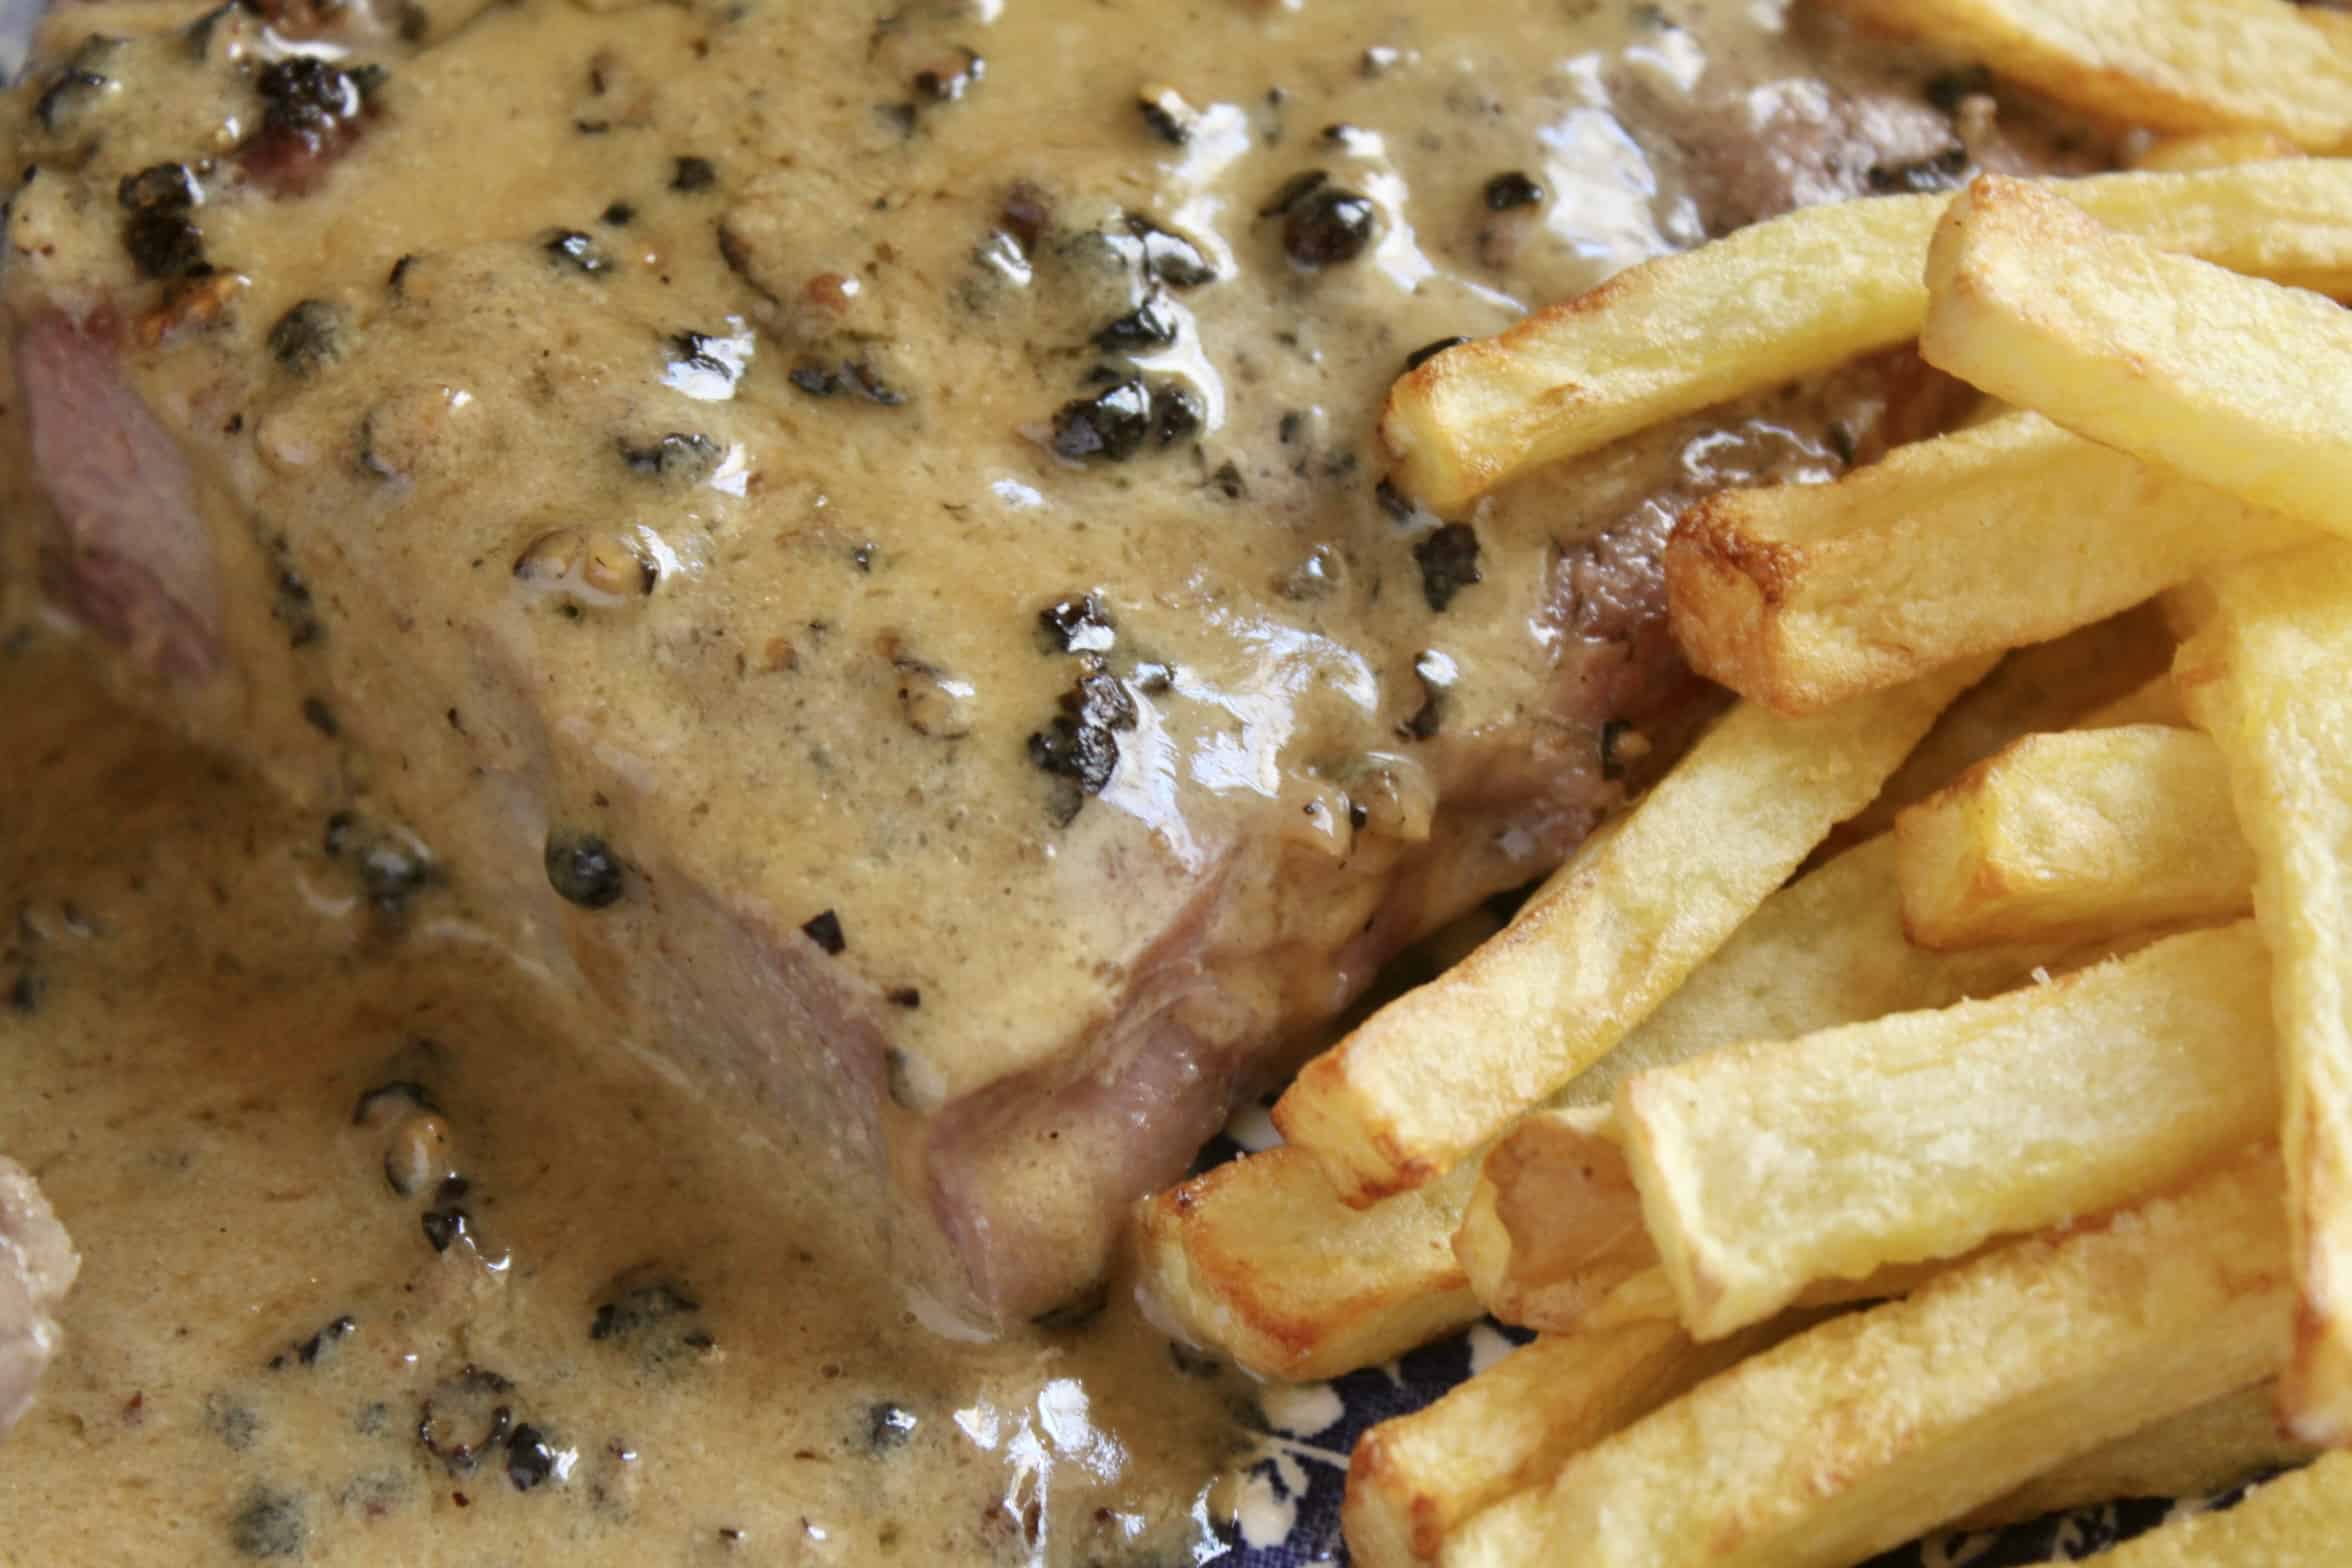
x=37 y=1267
x=854 y=537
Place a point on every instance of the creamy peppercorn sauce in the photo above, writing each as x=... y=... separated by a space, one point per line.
x=900 y=476
x=853 y=535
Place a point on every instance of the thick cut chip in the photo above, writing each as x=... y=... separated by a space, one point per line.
x=1767 y=1168
x=1430 y=1078
x=2297 y=1521
x=2270 y=679
x=2174 y=65
x=1412 y=1480
x=2076 y=837
x=2011 y=532
x=1260 y=1259
x=2193 y=1454
x=1791 y=297
x=1871 y=1428
x=1556 y=1223
x=2225 y=379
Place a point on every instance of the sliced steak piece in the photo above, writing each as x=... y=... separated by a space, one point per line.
x=865 y=565
x=37 y=1267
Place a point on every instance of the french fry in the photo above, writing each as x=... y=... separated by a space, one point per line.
x=2267 y=677
x=1787 y=298
x=1766 y=1168
x=1827 y=949
x=2077 y=836
x=1259 y=1258
x=1870 y=1428
x=2175 y=65
x=2188 y=1455
x=2052 y=685
x=2221 y=378
x=1555 y=1223
x=1433 y=1076
x=1413 y=1479
x=2014 y=531
x=2297 y=1521
x=2196 y=150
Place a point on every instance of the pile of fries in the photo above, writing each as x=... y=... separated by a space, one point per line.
x=1995 y=1162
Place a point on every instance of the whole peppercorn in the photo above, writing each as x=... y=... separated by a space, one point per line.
x=1328 y=226
x=583 y=869
x=1511 y=189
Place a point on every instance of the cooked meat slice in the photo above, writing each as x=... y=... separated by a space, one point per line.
x=880 y=588
x=37 y=1267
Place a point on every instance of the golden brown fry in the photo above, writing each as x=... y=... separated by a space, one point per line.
x=2225 y=379
x=1259 y=1258
x=1861 y=1433
x=2010 y=532
x=1765 y=1169
x=2267 y=677
x=2176 y=65
x=2189 y=1455
x=1788 y=298
x=1430 y=1078
x=2079 y=836
x=1827 y=949
x=2297 y=1521
x=1412 y=1480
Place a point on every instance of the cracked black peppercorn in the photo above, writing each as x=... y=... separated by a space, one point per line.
x=1328 y=227
x=1079 y=745
x=1170 y=258
x=165 y=243
x=529 y=1459
x=825 y=930
x=444 y=1227
x=160 y=187
x=1077 y=625
x=1178 y=412
x=1149 y=325
x=577 y=251
x=890 y=1426
x=681 y=456
x=315 y=333
x=1448 y=558
x=691 y=174
x=1112 y=425
x=1510 y=190
x=583 y=870
x=306 y=97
